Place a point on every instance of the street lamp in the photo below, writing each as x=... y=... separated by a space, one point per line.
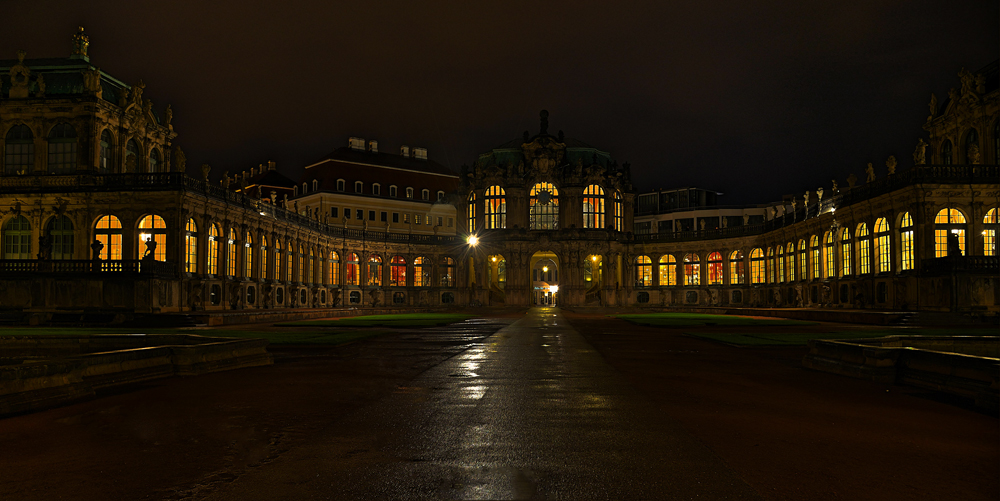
x=473 y=240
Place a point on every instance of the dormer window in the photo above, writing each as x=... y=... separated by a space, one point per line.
x=304 y=188
x=295 y=191
x=425 y=194
x=376 y=189
x=409 y=193
x=315 y=184
x=440 y=196
x=392 y=191
x=341 y=185
x=358 y=187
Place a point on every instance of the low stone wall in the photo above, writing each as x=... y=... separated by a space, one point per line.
x=916 y=361
x=60 y=369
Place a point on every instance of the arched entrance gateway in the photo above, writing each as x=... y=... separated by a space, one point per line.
x=553 y=210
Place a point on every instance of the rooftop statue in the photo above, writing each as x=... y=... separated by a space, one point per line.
x=919 y=154
x=890 y=165
x=870 y=171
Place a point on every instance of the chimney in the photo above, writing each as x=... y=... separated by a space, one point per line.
x=373 y=146
x=420 y=153
x=356 y=143
x=272 y=165
x=404 y=151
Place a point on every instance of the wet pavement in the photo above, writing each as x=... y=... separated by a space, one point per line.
x=531 y=412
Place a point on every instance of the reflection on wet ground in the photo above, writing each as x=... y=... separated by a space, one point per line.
x=530 y=412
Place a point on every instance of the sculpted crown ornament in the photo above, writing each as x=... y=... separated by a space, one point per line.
x=80 y=44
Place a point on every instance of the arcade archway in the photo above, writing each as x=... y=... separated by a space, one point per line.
x=544 y=278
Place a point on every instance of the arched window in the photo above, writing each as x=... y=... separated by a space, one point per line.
x=502 y=273
x=315 y=186
x=770 y=265
x=470 y=212
x=248 y=256
x=359 y=187
x=155 y=228
x=668 y=270
x=946 y=152
x=643 y=271
x=425 y=194
x=397 y=272
x=311 y=269
x=421 y=272
x=333 y=269
x=289 y=251
x=619 y=214
x=544 y=207
x=60 y=230
x=191 y=246
x=757 y=271
x=496 y=207
x=353 y=269
x=803 y=264
x=17 y=238
x=154 y=161
x=949 y=224
x=593 y=207
x=108 y=231
x=131 y=156
x=212 y=261
x=376 y=188
x=830 y=253
x=990 y=232
x=440 y=196
x=105 y=162
x=264 y=273
x=374 y=270
x=971 y=138
x=864 y=250
x=393 y=190
x=715 y=268
x=301 y=272
x=447 y=272
x=815 y=254
x=736 y=272
x=19 y=155
x=692 y=270
x=341 y=185
x=231 y=253
x=409 y=193
x=845 y=252
x=780 y=261
x=790 y=261
x=62 y=149
x=882 y=248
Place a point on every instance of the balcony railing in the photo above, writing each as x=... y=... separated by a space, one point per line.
x=961 y=264
x=158 y=269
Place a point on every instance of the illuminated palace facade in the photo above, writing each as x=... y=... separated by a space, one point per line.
x=99 y=215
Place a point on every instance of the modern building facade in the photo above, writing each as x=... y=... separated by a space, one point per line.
x=99 y=215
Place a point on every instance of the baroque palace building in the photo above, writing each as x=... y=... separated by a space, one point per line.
x=99 y=217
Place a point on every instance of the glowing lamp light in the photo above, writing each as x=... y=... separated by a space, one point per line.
x=593 y=258
x=473 y=240
x=144 y=236
x=545 y=269
x=553 y=289
x=494 y=259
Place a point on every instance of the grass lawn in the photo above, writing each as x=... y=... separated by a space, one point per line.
x=399 y=320
x=692 y=319
x=275 y=337
x=780 y=339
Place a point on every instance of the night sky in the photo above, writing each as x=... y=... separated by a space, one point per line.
x=753 y=99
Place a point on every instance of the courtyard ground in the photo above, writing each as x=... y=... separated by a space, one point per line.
x=787 y=432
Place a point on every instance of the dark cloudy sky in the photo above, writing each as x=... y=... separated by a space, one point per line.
x=754 y=99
